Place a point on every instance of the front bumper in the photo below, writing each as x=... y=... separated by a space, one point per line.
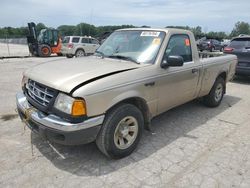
x=55 y=128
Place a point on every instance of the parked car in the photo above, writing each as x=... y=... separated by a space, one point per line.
x=198 y=41
x=225 y=42
x=240 y=46
x=111 y=97
x=79 y=46
x=210 y=45
x=104 y=36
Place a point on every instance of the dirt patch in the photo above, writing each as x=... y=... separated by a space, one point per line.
x=8 y=117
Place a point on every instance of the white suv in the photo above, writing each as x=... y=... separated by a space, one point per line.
x=79 y=46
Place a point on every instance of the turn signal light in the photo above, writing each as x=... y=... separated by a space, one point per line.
x=78 y=108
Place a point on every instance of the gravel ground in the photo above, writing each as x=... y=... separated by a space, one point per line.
x=191 y=146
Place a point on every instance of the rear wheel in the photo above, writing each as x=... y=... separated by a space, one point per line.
x=80 y=53
x=215 y=96
x=44 y=51
x=121 y=131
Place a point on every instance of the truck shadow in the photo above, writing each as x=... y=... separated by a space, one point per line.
x=87 y=160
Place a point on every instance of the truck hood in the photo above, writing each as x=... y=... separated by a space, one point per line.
x=64 y=75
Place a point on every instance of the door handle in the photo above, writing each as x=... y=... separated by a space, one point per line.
x=150 y=84
x=195 y=70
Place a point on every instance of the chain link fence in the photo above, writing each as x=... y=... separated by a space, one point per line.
x=14 y=40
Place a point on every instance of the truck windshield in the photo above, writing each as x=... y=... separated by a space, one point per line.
x=136 y=46
x=42 y=37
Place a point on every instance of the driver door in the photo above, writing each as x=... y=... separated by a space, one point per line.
x=177 y=85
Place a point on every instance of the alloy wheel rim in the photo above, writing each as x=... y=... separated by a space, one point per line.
x=126 y=132
x=218 y=92
x=80 y=53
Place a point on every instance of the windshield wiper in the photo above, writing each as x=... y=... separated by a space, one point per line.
x=99 y=52
x=124 y=58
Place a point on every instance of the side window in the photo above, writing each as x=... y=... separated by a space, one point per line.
x=75 y=39
x=93 y=41
x=85 y=40
x=179 y=45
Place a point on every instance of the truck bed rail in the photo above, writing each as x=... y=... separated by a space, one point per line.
x=210 y=54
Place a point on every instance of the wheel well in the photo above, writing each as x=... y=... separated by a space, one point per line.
x=223 y=75
x=140 y=104
x=80 y=49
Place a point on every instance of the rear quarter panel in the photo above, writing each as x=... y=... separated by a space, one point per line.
x=213 y=67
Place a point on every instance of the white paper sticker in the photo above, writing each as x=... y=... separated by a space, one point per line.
x=150 y=34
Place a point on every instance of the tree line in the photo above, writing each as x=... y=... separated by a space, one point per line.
x=95 y=31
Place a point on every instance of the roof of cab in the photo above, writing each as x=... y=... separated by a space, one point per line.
x=154 y=29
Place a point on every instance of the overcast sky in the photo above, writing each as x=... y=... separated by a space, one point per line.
x=217 y=15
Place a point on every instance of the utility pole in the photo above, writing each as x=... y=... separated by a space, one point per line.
x=91 y=14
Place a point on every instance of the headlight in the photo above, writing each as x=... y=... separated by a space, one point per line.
x=24 y=81
x=69 y=105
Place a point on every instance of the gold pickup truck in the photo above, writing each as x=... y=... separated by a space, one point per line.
x=110 y=97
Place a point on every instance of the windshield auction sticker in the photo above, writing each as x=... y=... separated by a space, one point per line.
x=156 y=41
x=150 y=34
x=187 y=42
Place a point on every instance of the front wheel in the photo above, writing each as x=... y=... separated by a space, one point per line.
x=215 y=96
x=44 y=51
x=121 y=131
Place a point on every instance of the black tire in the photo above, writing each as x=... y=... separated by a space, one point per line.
x=213 y=99
x=44 y=50
x=69 y=55
x=106 y=137
x=80 y=53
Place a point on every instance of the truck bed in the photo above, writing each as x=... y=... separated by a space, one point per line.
x=213 y=65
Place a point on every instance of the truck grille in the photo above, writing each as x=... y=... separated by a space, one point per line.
x=40 y=93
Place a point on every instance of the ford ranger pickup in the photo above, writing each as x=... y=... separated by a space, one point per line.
x=110 y=97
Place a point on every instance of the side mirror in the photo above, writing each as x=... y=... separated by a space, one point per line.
x=172 y=61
